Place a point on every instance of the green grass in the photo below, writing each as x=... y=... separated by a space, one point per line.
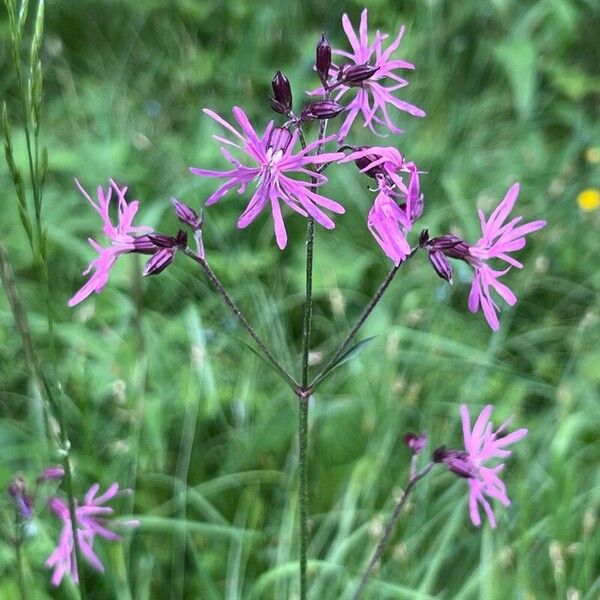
x=164 y=398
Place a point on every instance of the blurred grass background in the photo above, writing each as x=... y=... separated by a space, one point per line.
x=164 y=398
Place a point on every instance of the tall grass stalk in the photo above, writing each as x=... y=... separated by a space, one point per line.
x=30 y=101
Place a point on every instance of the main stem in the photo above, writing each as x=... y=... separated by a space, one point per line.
x=389 y=529
x=304 y=395
x=303 y=410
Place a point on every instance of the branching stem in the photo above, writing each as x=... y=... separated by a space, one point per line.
x=389 y=529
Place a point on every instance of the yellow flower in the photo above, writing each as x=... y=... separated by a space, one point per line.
x=589 y=199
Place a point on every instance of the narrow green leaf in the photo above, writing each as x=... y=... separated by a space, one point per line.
x=38 y=32
x=281 y=372
x=35 y=68
x=16 y=176
x=23 y=10
x=344 y=358
x=43 y=166
x=354 y=351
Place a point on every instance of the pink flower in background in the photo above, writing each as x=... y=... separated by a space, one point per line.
x=90 y=523
x=498 y=240
x=272 y=161
x=482 y=444
x=120 y=236
x=372 y=97
x=397 y=205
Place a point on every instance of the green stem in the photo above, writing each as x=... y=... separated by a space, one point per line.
x=303 y=412
x=303 y=488
x=233 y=307
x=304 y=396
x=310 y=241
x=389 y=529
x=361 y=321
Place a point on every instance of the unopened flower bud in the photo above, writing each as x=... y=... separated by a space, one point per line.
x=281 y=101
x=441 y=264
x=355 y=74
x=16 y=487
x=323 y=109
x=54 y=472
x=457 y=461
x=323 y=62
x=415 y=442
x=160 y=261
x=186 y=214
x=424 y=237
x=451 y=245
x=23 y=502
x=144 y=245
x=364 y=161
x=168 y=241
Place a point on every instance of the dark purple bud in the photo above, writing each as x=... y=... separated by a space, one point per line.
x=187 y=215
x=161 y=240
x=364 y=161
x=279 y=139
x=323 y=62
x=181 y=239
x=441 y=264
x=424 y=237
x=282 y=93
x=54 y=472
x=450 y=245
x=160 y=261
x=277 y=106
x=457 y=461
x=356 y=74
x=168 y=241
x=23 y=502
x=324 y=109
x=16 y=487
x=415 y=442
x=144 y=245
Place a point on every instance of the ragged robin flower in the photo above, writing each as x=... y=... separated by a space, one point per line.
x=271 y=162
x=482 y=444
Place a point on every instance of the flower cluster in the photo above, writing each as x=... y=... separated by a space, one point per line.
x=286 y=172
x=276 y=170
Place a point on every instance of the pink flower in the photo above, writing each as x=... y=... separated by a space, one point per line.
x=397 y=205
x=120 y=236
x=498 y=240
x=372 y=97
x=482 y=444
x=272 y=160
x=91 y=522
